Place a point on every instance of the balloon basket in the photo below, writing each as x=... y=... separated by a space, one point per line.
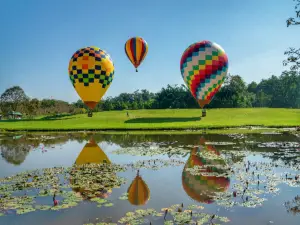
x=90 y=114
x=203 y=113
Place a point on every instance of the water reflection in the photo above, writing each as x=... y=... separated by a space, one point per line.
x=87 y=182
x=138 y=191
x=14 y=150
x=170 y=185
x=202 y=187
x=92 y=153
x=293 y=206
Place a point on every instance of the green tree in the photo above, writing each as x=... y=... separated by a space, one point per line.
x=252 y=87
x=14 y=97
x=233 y=94
x=31 y=107
x=4 y=107
x=294 y=20
x=262 y=99
x=293 y=54
x=289 y=90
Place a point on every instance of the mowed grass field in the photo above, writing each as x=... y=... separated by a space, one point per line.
x=175 y=119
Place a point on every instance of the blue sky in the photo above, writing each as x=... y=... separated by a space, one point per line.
x=38 y=38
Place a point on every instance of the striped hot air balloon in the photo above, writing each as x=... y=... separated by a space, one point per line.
x=138 y=191
x=204 y=66
x=136 y=49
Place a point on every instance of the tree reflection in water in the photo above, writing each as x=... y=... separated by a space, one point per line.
x=293 y=206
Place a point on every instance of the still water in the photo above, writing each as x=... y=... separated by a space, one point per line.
x=221 y=178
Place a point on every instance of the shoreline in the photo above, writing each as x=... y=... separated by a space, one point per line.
x=214 y=129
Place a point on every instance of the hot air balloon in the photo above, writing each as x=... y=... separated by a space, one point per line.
x=91 y=71
x=202 y=188
x=204 y=66
x=138 y=191
x=90 y=154
x=136 y=49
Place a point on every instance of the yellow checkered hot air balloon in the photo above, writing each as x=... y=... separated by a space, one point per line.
x=138 y=191
x=91 y=71
x=90 y=154
x=199 y=187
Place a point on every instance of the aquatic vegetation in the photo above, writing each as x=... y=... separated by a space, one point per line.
x=138 y=216
x=191 y=215
x=124 y=196
x=175 y=214
x=43 y=138
x=22 y=191
x=293 y=206
x=155 y=164
x=279 y=145
x=93 y=180
x=252 y=179
x=220 y=143
x=152 y=151
x=236 y=136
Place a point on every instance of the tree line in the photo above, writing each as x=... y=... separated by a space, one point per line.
x=275 y=92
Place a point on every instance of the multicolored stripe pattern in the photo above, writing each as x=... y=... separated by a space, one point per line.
x=204 y=66
x=136 y=49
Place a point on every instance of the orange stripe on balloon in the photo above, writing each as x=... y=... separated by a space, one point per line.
x=129 y=52
x=139 y=48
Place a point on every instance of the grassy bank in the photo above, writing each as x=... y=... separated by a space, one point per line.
x=170 y=119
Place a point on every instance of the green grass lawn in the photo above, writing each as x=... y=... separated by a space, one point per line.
x=163 y=119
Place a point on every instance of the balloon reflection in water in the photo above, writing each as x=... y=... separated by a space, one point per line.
x=138 y=191
x=202 y=187
x=91 y=154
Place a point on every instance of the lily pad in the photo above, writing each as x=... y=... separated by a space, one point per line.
x=108 y=204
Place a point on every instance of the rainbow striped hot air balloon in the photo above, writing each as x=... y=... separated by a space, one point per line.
x=202 y=188
x=204 y=66
x=136 y=49
x=138 y=191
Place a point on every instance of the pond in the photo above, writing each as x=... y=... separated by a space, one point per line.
x=96 y=178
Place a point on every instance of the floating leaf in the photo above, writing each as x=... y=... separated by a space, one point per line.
x=108 y=204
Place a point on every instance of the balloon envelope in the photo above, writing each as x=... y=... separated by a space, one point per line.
x=138 y=192
x=136 y=49
x=91 y=71
x=204 y=66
